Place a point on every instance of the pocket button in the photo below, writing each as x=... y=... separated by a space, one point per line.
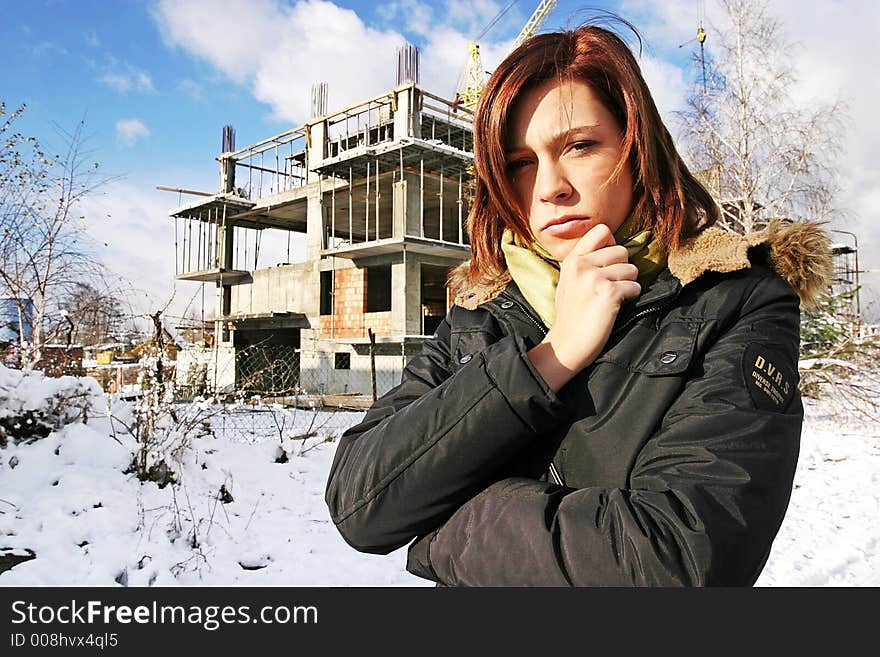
x=465 y=359
x=668 y=357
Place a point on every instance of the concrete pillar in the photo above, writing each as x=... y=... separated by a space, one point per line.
x=314 y=224
x=227 y=173
x=407 y=206
x=398 y=209
x=223 y=302
x=406 y=295
x=316 y=148
x=405 y=124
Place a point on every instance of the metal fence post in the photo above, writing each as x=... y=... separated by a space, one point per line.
x=372 y=361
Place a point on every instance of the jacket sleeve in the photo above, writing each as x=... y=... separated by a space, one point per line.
x=706 y=495
x=422 y=450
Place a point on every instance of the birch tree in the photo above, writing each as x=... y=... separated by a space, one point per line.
x=43 y=243
x=761 y=153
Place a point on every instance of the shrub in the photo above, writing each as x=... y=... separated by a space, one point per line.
x=33 y=405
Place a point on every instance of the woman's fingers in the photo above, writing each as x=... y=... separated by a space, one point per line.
x=621 y=271
x=604 y=256
x=628 y=289
x=594 y=279
x=597 y=237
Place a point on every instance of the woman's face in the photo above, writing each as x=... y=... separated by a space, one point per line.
x=564 y=144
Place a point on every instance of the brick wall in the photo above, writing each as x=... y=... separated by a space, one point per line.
x=350 y=298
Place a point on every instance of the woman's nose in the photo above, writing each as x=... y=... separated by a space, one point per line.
x=551 y=183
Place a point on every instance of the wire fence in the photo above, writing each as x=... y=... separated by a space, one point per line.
x=344 y=379
x=305 y=425
x=269 y=369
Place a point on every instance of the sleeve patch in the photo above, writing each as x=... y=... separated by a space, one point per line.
x=770 y=379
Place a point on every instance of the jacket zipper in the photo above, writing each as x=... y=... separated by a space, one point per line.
x=554 y=473
x=642 y=313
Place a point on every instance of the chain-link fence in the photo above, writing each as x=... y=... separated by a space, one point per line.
x=268 y=369
x=305 y=424
x=349 y=376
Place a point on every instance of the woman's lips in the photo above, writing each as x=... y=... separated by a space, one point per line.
x=569 y=229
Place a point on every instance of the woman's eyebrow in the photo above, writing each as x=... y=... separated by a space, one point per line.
x=557 y=138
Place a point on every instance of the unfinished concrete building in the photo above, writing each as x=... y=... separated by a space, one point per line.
x=379 y=191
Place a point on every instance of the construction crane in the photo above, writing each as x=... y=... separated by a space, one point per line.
x=541 y=13
x=473 y=78
x=701 y=39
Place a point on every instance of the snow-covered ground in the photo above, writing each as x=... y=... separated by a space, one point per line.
x=830 y=535
x=68 y=501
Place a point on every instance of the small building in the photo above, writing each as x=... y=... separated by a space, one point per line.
x=16 y=320
x=61 y=360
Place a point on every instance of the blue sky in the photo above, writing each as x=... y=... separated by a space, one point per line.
x=108 y=61
x=156 y=80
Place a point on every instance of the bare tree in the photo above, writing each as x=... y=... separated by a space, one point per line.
x=43 y=244
x=91 y=313
x=761 y=154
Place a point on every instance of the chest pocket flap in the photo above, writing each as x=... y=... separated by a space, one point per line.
x=672 y=350
x=468 y=343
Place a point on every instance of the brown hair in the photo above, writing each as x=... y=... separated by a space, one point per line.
x=668 y=200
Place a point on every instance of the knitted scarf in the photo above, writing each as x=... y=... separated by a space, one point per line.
x=536 y=272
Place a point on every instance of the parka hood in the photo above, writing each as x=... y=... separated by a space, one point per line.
x=799 y=252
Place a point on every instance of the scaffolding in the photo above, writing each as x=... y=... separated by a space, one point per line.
x=398 y=186
x=378 y=188
x=272 y=166
x=200 y=231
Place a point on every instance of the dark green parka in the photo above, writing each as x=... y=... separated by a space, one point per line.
x=668 y=461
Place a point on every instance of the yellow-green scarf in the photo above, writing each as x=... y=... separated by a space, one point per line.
x=536 y=272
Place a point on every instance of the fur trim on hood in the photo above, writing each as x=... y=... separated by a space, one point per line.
x=798 y=251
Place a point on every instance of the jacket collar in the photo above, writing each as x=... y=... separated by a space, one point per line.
x=798 y=251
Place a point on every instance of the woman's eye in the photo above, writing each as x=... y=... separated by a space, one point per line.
x=515 y=165
x=582 y=145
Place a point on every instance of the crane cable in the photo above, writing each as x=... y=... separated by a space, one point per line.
x=497 y=18
x=701 y=39
x=462 y=78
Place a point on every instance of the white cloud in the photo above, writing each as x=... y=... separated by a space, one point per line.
x=131 y=79
x=417 y=16
x=143 y=81
x=472 y=16
x=665 y=25
x=124 y=77
x=330 y=44
x=196 y=26
x=120 y=83
x=191 y=88
x=667 y=85
x=281 y=49
x=48 y=49
x=129 y=131
x=135 y=237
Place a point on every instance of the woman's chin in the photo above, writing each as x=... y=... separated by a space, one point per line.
x=559 y=243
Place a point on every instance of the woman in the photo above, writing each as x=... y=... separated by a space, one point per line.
x=612 y=400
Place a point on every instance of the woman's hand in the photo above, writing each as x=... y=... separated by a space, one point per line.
x=594 y=280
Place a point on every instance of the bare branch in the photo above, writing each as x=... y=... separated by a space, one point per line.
x=765 y=155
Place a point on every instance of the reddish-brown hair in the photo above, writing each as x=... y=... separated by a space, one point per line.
x=667 y=198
